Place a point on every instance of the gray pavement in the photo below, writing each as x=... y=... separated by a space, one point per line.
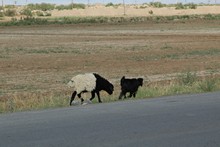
x=173 y=121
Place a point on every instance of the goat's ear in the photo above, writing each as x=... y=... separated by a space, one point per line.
x=141 y=81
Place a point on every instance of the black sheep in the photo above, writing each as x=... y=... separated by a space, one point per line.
x=130 y=85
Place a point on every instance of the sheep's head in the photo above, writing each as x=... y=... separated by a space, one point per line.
x=110 y=89
x=70 y=83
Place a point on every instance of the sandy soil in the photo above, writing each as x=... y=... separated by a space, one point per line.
x=40 y=60
x=100 y=10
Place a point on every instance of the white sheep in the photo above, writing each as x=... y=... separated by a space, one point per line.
x=89 y=82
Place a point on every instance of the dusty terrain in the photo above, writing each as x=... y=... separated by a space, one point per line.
x=135 y=10
x=39 y=60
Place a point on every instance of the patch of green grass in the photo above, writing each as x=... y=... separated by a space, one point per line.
x=42 y=6
x=55 y=50
x=70 y=6
x=186 y=6
x=171 y=56
x=166 y=47
x=32 y=101
x=186 y=83
x=157 y=4
x=187 y=78
x=208 y=85
x=210 y=52
x=102 y=19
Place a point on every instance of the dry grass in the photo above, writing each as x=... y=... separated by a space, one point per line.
x=37 y=61
x=183 y=84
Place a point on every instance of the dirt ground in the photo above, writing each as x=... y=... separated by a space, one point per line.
x=41 y=59
x=135 y=10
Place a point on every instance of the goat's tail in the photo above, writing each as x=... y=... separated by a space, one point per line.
x=122 y=79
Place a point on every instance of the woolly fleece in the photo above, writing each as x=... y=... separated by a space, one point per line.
x=83 y=82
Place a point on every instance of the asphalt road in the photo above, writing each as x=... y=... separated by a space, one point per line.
x=175 y=121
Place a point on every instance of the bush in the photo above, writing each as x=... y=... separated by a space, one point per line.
x=191 y=6
x=157 y=4
x=64 y=7
x=186 y=6
x=43 y=7
x=9 y=6
x=79 y=6
x=109 y=4
x=39 y=13
x=27 y=12
x=47 y=14
x=151 y=12
x=2 y=14
x=180 y=6
x=25 y=21
x=208 y=85
x=188 y=78
x=10 y=12
x=70 y=6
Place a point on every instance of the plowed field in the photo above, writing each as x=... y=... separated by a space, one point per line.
x=39 y=60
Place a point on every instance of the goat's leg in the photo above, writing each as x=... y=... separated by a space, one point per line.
x=134 y=94
x=120 y=96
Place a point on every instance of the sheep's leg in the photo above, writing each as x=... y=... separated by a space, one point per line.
x=98 y=97
x=131 y=94
x=79 y=96
x=93 y=95
x=72 y=97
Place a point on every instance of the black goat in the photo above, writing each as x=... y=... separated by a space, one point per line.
x=130 y=85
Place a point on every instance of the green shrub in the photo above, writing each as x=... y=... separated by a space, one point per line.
x=151 y=12
x=109 y=5
x=186 y=6
x=208 y=85
x=42 y=6
x=2 y=14
x=143 y=7
x=39 y=13
x=187 y=78
x=79 y=6
x=180 y=6
x=157 y=4
x=27 y=12
x=1 y=9
x=10 y=12
x=64 y=7
x=47 y=14
x=211 y=16
x=25 y=21
x=191 y=6
x=9 y=6
x=70 y=6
